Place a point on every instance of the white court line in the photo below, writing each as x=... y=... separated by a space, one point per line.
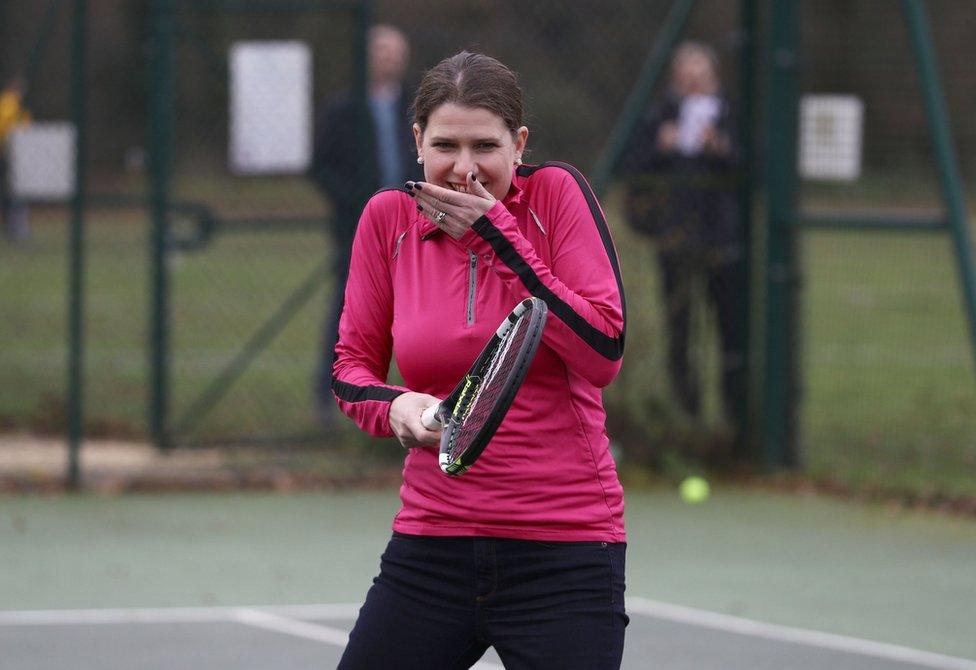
x=635 y=605
x=293 y=627
x=167 y=615
x=309 y=631
x=731 y=624
x=280 y=619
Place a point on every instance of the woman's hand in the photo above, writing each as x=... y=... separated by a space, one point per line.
x=459 y=210
x=405 y=411
x=667 y=137
x=715 y=142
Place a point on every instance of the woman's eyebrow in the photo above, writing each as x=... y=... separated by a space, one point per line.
x=476 y=140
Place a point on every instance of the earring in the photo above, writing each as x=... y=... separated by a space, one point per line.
x=420 y=160
x=518 y=161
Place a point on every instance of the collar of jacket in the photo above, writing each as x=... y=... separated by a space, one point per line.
x=428 y=229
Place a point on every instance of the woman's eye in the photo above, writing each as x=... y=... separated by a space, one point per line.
x=486 y=146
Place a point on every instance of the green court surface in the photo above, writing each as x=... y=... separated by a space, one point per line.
x=746 y=580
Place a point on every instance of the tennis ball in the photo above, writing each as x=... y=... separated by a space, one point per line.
x=694 y=490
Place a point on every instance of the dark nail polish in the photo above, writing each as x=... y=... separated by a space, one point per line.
x=420 y=208
x=417 y=186
x=408 y=185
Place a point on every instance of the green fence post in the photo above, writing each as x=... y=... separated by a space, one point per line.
x=780 y=369
x=744 y=411
x=949 y=181
x=160 y=121
x=364 y=128
x=640 y=95
x=76 y=255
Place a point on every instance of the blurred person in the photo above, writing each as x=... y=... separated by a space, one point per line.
x=524 y=553
x=13 y=115
x=347 y=171
x=685 y=198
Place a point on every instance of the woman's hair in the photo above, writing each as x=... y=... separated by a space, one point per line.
x=693 y=48
x=471 y=80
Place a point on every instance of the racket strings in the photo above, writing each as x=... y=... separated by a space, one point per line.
x=471 y=385
x=482 y=401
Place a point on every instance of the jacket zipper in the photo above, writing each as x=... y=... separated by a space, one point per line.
x=472 y=285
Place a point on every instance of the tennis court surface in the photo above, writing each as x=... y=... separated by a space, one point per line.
x=660 y=636
x=764 y=581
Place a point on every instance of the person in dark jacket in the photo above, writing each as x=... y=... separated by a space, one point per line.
x=348 y=165
x=683 y=194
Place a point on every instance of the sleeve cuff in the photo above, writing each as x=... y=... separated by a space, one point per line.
x=474 y=237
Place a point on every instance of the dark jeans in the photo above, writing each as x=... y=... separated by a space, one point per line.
x=441 y=602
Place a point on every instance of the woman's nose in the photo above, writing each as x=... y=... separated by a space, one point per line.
x=465 y=163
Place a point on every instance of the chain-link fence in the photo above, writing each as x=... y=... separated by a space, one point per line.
x=246 y=258
x=244 y=299
x=37 y=148
x=889 y=397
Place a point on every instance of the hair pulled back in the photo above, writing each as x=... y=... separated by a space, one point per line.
x=471 y=80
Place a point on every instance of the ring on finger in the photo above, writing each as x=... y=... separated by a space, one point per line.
x=439 y=217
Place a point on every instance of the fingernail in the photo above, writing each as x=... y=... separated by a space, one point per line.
x=420 y=208
x=417 y=186
x=408 y=185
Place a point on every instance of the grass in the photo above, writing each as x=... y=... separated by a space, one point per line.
x=890 y=386
x=889 y=390
x=220 y=297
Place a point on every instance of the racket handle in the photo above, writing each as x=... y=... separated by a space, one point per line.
x=429 y=417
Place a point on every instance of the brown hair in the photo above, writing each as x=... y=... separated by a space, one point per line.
x=472 y=80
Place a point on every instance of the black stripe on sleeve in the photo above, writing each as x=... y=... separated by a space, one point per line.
x=352 y=393
x=611 y=348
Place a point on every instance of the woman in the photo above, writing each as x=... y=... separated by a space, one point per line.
x=688 y=148
x=525 y=552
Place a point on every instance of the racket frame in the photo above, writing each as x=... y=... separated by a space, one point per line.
x=443 y=413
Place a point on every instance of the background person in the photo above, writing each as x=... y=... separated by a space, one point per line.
x=685 y=198
x=518 y=553
x=347 y=172
x=12 y=115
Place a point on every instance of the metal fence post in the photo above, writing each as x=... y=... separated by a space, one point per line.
x=779 y=396
x=76 y=255
x=949 y=180
x=636 y=104
x=745 y=410
x=160 y=129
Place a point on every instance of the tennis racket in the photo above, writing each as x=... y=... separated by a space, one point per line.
x=471 y=414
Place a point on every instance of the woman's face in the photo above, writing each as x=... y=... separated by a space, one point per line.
x=694 y=75
x=461 y=139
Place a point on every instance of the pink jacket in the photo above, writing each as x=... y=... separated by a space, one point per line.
x=432 y=302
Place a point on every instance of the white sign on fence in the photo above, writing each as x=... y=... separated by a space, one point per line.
x=831 y=136
x=42 y=161
x=270 y=107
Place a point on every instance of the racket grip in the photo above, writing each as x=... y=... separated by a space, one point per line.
x=429 y=417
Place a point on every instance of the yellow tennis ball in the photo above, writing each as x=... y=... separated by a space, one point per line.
x=694 y=490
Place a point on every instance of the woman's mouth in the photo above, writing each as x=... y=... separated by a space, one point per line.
x=463 y=188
